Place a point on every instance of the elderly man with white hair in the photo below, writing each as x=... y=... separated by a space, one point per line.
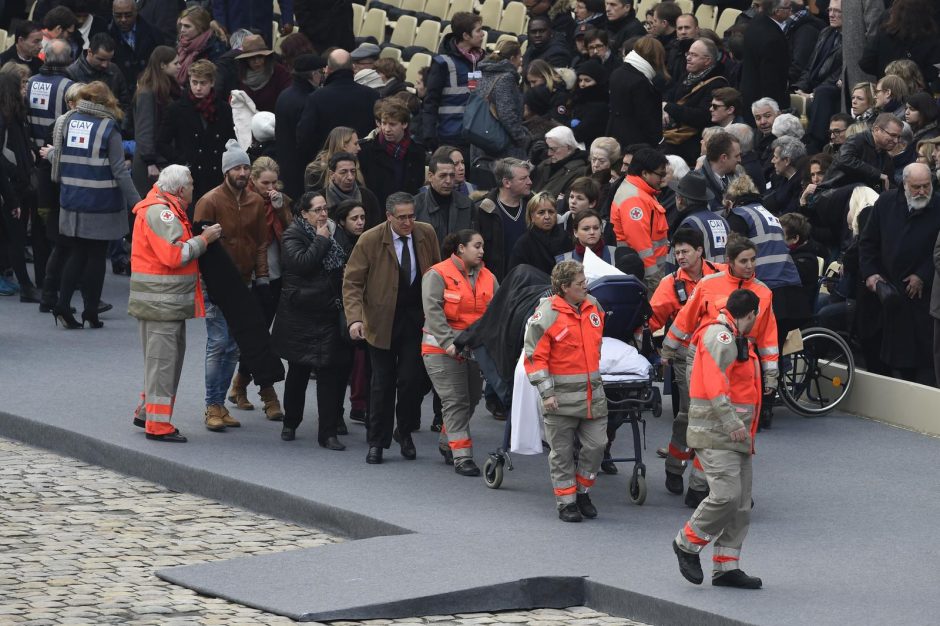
x=895 y=261
x=565 y=162
x=164 y=293
x=783 y=194
x=765 y=112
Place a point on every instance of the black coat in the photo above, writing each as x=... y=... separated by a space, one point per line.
x=287 y=112
x=766 y=63
x=306 y=328
x=784 y=195
x=802 y=36
x=326 y=23
x=379 y=173
x=132 y=61
x=858 y=161
x=10 y=55
x=590 y=107
x=186 y=139
x=884 y=48
x=635 y=108
x=555 y=52
x=895 y=244
x=489 y=221
x=620 y=30
x=539 y=249
x=555 y=178
x=825 y=65
x=339 y=102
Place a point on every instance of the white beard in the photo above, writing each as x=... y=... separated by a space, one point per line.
x=916 y=204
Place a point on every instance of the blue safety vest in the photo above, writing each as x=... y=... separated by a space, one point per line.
x=775 y=267
x=87 y=184
x=715 y=230
x=454 y=96
x=606 y=255
x=45 y=100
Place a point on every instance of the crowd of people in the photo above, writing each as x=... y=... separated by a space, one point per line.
x=366 y=222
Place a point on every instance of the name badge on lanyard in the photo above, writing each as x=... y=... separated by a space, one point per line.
x=472 y=78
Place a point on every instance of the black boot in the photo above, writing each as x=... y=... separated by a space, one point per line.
x=694 y=497
x=570 y=513
x=585 y=505
x=690 y=566
x=674 y=483
x=736 y=578
x=466 y=467
x=447 y=453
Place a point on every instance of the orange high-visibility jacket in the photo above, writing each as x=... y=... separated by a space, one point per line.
x=665 y=301
x=459 y=303
x=724 y=393
x=164 y=282
x=639 y=221
x=706 y=303
x=563 y=354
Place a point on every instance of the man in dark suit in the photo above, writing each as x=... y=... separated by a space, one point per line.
x=307 y=74
x=27 y=42
x=340 y=102
x=382 y=301
x=766 y=55
x=135 y=40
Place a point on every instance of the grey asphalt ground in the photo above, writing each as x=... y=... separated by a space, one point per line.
x=842 y=531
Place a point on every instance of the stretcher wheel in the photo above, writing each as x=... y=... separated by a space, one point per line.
x=637 y=487
x=657 y=409
x=493 y=473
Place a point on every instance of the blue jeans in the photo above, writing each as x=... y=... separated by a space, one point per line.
x=221 y=356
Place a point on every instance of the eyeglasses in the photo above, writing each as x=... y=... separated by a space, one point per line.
x=660 y=174
x=713 y=106
x=596 y=46
x=318 y=209
x=836 y=131
x=408 y=217
x=894 y=136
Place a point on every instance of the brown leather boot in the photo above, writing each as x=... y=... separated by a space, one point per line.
x=214 y=421
x=272 y=406
x=228 y=420
x=238 y=394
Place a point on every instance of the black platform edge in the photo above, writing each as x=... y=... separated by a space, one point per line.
x=181 y=478
x=647 y=609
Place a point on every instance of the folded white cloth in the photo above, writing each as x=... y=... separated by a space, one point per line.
x=618 y=357
x=526 y=414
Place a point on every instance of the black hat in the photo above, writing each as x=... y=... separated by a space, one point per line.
x=539 y=100
x=594 y=69
x=309 y=63
x=693 y=187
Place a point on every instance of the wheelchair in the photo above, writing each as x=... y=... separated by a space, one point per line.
x=817 y=371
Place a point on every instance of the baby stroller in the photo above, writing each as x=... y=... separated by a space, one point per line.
x=497 y=338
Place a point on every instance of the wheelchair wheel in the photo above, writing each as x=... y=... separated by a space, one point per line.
x=637 y=487
x=814 y=380
x=493 y=472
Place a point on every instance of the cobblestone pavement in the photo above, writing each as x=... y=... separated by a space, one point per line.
x=79 y=545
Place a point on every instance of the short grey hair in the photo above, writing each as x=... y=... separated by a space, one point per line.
x=790 y=148
x=173 y=178
x=744 y=134
x=504 y=167
x=564 y=273
x=609 y=145
x=765 y=102
x=787 y=125
x=909 y=170
x=710 y=47
x=57 y=52
x=907 y=134
x=396 y=199
x=236 y=39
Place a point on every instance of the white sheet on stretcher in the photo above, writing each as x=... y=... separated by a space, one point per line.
x=619 y=362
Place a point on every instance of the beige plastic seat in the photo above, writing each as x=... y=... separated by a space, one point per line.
x=359 y=13
x=458 y=6
x=428 y=35
x=513 y=20
x=374 y=25
x=437 y=8
x=707 y=16
x=404 y=32
x=418 y=62
x=391 y=53
x=413 y=5
x=686 y=5
x=726 y=20
x=491 y=12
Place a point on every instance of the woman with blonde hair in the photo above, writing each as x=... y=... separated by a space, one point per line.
x=544 y=239
x=197 y=41
x=540 y=73
x=636 y=114
x=863 y=102
x=95 y=194
x=340 y=139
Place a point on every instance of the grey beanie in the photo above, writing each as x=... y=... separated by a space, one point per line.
x=233 y=156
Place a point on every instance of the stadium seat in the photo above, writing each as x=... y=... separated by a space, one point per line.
x=374 y=25
x=359 y=13
x=415 y=65
x=707 y=15
x=403 y=35
x=686 y=6
x=726 y=21
x=428 y=35
x=390 y=52
x=513 y=20
x=798 y=105
x=457 y=6
x=437 y=9
x=490 y=13
x=413 y=6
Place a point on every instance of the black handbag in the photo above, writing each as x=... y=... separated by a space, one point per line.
x=481 y=127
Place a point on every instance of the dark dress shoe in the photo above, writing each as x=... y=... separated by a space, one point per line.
x=104 y=307
x=374 y=457
x=173 y=437
x=662 y=452
x=139 y=423
x=341 y=428
x=694 y=497
x=332 y=443
x=288 y=434
x=447 y=453
x=29 y=293
x=570 y=513
x=408 y=448
x=357 y=416
x=466 y=467
x=690 y=565
x=585 y=505
x=736 y=578
x=609 y=467
x=674 y=484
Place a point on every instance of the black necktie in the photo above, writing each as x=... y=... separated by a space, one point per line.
x=405 y=260
x=724 y=183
